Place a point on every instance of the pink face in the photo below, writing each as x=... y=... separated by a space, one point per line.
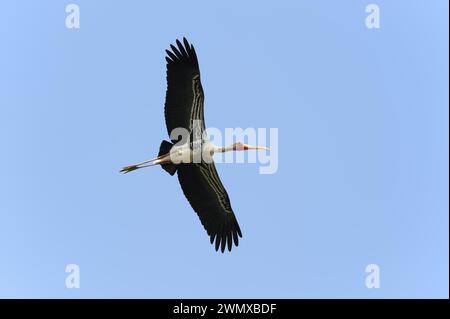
x=239 y=146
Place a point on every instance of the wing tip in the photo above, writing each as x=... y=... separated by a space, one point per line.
x=182 y=51
x=227 y=236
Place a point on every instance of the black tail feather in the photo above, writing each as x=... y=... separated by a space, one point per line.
x=164 y=149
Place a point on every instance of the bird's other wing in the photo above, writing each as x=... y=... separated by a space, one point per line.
x=184 y=96
x=209 y=199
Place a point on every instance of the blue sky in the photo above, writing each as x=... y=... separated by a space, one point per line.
x=362 y=116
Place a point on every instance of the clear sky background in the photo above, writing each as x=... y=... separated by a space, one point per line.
x=363 y=149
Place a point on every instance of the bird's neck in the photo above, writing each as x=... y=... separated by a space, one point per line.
x=225 y=149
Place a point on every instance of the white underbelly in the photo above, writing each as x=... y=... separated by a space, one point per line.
x=200 y=153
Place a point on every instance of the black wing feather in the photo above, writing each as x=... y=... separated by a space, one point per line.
x=212 y=207
x=182 y=71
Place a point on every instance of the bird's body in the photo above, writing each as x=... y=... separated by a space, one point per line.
x=190 y=153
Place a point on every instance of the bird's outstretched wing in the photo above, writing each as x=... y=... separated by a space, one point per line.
x=209 y=199
x=184 y=96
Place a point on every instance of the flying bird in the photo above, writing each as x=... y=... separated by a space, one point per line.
x=190 y=154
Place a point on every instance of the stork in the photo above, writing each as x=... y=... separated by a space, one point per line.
x=191 y=156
